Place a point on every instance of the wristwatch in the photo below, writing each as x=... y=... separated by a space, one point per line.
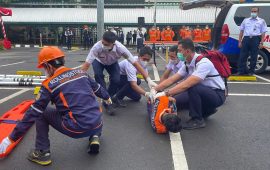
x=167 y=93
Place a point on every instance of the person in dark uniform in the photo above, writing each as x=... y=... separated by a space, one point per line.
x=76 y=112
x=86 y=38
x=252 y=33
x=68 y=35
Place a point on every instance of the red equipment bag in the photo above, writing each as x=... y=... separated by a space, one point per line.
x=9 y=120
x=219 y=60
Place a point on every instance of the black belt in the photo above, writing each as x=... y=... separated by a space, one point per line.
x=257 y=36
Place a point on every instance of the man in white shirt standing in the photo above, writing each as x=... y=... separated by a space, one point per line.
x=105 y=55
x=205 y=91
x=129 y=83
x=174 y=64
x=252 y=33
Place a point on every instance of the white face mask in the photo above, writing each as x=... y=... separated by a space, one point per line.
x=143 y=63
x=106 y=48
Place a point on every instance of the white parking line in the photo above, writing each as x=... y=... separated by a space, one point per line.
x=253 y=95
x=178 y=153
x=253 y=83
x=16 y=88
x=265 y=79
x=13 y=95
x=77 y=67
x=12 y=64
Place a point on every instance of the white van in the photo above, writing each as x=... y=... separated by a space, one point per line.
x=226 y=28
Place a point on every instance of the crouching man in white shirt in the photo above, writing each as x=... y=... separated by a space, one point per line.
x=129 y=83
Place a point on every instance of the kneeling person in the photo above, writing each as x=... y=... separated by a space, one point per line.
x=163 y=115
x=129 y=83
x=76 y=115
x=174 y=64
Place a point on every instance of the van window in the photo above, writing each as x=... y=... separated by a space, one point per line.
x=244 y=12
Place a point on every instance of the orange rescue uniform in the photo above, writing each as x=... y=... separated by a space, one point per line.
x=153 y=35
x=168 y=35
x=206 y=35
x=197 y=35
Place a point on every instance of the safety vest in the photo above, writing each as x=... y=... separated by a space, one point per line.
x=197 y=35
x=206 y=35
x=153 y=35
x=168 y=35
x=182 y=33
x=188 y=34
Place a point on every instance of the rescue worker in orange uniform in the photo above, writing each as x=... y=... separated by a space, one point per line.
x=76 y=112
x=206 y=34
x=153 y=34
x=158 y=34
x=168 y=34
x=182 y=32
x=163 y=115
x=197 y=33
x=188 y=33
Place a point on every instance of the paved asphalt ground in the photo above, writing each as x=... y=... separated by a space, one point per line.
x=236 y=137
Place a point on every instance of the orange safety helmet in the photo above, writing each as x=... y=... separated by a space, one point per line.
x=48 y=54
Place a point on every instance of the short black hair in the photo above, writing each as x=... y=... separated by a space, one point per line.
x=56 y=63
x=174 y=49
x=146 y=50
x=172 y=123
x=255 y=7
x=187 y=44
x=109 y=37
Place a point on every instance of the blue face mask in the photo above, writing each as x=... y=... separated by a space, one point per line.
x=181 y=57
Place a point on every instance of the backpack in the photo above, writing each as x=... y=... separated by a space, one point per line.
x=221 y=64
x=219 y=60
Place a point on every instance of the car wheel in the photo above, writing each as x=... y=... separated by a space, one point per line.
x=262 y=62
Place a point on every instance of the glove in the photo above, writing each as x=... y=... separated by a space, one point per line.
x=159 y=95
x=149 y=96
x=108 y=102
x=4 y=145
x=150 y=82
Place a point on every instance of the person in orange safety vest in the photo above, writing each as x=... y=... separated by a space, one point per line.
x=168 y=34
x=163 y=115
x=197 y=33
x=206 y=34
x=153 y=34
x=182 y=32
x=188 y=33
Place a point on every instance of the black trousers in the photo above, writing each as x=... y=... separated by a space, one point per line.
x=200 y=100
x=250 y=46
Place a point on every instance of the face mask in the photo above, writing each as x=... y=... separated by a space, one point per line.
x=143 y=63
x=207 y=27
x=253 y=14
x=106 y=48
x=181 y=57
x=168 y=28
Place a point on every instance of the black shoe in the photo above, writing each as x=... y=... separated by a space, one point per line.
x=109 y=109
x=194 y=124
x=40 y=157
x=94 y=145
x=209 y=113
x=117 y=102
